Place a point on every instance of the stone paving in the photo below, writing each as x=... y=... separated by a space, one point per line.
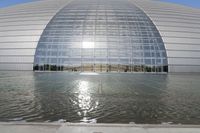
x=95 y=128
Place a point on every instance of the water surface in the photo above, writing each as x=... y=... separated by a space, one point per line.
x=101 y=98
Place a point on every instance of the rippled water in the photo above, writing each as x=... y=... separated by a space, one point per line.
x=101 y=98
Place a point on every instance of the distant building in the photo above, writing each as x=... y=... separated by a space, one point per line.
x=100 y=36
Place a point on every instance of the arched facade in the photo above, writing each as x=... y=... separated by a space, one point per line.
x=112 y=35
x=101 y=36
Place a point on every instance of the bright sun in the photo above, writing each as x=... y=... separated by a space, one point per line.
x=88 y=44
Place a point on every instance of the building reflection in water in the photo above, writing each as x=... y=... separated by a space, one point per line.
x=103 y=98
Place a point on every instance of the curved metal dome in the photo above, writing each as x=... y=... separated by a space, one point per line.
x=102 y=36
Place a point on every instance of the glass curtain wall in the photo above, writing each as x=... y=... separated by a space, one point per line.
x=101 y=36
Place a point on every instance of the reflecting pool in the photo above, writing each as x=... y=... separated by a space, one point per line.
x=101 y=98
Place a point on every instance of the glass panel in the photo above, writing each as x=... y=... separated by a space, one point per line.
x=101 y=36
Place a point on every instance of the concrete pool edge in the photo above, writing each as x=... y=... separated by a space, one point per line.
x=23 y=127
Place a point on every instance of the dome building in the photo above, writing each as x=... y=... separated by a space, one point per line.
x=100 y=36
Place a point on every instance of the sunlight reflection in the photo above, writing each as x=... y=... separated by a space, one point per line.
x=84 y=101
x=83 y=87
x=88 y=44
